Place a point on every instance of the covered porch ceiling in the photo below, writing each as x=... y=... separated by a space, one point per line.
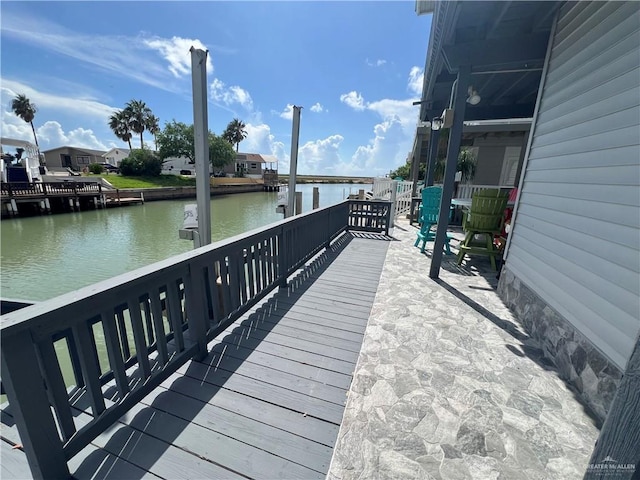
x=504 y=43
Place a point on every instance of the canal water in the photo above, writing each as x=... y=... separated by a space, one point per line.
x=45 y=256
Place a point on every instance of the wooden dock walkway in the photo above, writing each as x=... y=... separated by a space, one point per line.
x=267 y=401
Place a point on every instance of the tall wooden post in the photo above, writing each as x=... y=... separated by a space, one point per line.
x=433 y=158
x=455 y=138
x=201 y=141
x=293 y=166
x=316 y=198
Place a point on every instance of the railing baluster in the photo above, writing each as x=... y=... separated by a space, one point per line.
x=241 y=282
x=88 y=360
x=138 y=336
x=213 y=294
x=196 y=308
x=174 y=311
x=57 y=390
x=147 y=321
x=75 y=359
x=251 y=264
x=122 y=331
x=30 y=407
x=114 y=352
x=161 y=336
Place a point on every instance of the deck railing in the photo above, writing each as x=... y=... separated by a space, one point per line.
x=151 y=322
x=467 y=190
x=25 y=189
x=382 y=188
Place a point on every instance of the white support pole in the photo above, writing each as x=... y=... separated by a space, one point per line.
x=293 y=166
x=201 y=140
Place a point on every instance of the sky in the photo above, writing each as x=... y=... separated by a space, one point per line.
x=354 y=67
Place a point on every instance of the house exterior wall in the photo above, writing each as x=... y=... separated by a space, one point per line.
x=491 y=156
x=572 y=267
x=54 y=157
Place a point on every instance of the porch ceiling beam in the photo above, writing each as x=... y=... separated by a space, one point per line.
x=498 y=18
x=507 y=111
x=523 y=49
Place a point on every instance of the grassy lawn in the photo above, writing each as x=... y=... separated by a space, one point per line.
x=118 y=181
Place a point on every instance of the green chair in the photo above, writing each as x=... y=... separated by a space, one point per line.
x=429 y=217
x=484 y=220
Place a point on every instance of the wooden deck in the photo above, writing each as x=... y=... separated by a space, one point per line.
x=266 y=402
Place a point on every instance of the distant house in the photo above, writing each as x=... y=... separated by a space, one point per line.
x=115 y=156
x=252 y=165
x=72 y=157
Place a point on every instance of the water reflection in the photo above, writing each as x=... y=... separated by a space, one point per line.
x=43 y=257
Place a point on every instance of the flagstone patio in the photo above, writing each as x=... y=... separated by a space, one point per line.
x=449 y=386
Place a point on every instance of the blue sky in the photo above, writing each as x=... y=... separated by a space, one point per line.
x=354 y=67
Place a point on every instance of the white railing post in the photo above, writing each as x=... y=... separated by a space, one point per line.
x=394 y=194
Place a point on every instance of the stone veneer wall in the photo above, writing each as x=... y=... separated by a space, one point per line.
x=578 y=361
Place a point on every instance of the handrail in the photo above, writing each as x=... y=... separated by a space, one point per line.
x=466 y=190
x=22 y=189
x=152 y=321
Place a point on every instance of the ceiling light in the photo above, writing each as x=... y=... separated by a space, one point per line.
x=473 y=98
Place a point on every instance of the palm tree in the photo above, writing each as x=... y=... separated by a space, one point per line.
x=138 y=114
x=26 y=110
x=154 y=128
x=119 y=124
x=235 y=132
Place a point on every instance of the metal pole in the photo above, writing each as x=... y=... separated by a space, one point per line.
x=455 y=137
x=201 y=140
x=295 y=135
x=417 y=158
x=433 y=158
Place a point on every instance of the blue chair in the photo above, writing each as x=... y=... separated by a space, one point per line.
x=429 y=217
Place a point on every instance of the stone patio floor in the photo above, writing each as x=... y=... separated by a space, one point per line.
x=449 y=386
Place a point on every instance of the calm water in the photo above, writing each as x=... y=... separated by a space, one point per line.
x=42 y=257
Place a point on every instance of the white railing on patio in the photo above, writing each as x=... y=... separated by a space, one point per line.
x=468 y=189
x=382 y=188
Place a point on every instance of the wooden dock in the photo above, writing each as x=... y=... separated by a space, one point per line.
x=33 y=198
x=266 y=402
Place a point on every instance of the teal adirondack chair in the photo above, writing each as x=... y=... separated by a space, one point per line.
x=429 y=217
x=485 y=221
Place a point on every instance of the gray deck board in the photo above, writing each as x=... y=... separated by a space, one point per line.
x=13 y=462
x=268 y=399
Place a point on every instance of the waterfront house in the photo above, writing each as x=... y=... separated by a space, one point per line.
x=572 y=262
x=72 y=157
x=115 y=155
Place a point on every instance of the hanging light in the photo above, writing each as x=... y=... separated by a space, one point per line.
x=473 y=98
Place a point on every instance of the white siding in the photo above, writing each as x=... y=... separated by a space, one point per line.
x=576 y=238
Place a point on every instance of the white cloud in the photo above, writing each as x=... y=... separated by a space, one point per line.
x=376 y=63
x=261 y=140
x=287 y=113
x=393 y=135
x=125 y=56
x=321 y=156
x=176 y=51
x=353 y=99
x=230 y=95
x=76 y=105
x=317 y=108
x=416 y=75
x=388 y=148
x=50 y=134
